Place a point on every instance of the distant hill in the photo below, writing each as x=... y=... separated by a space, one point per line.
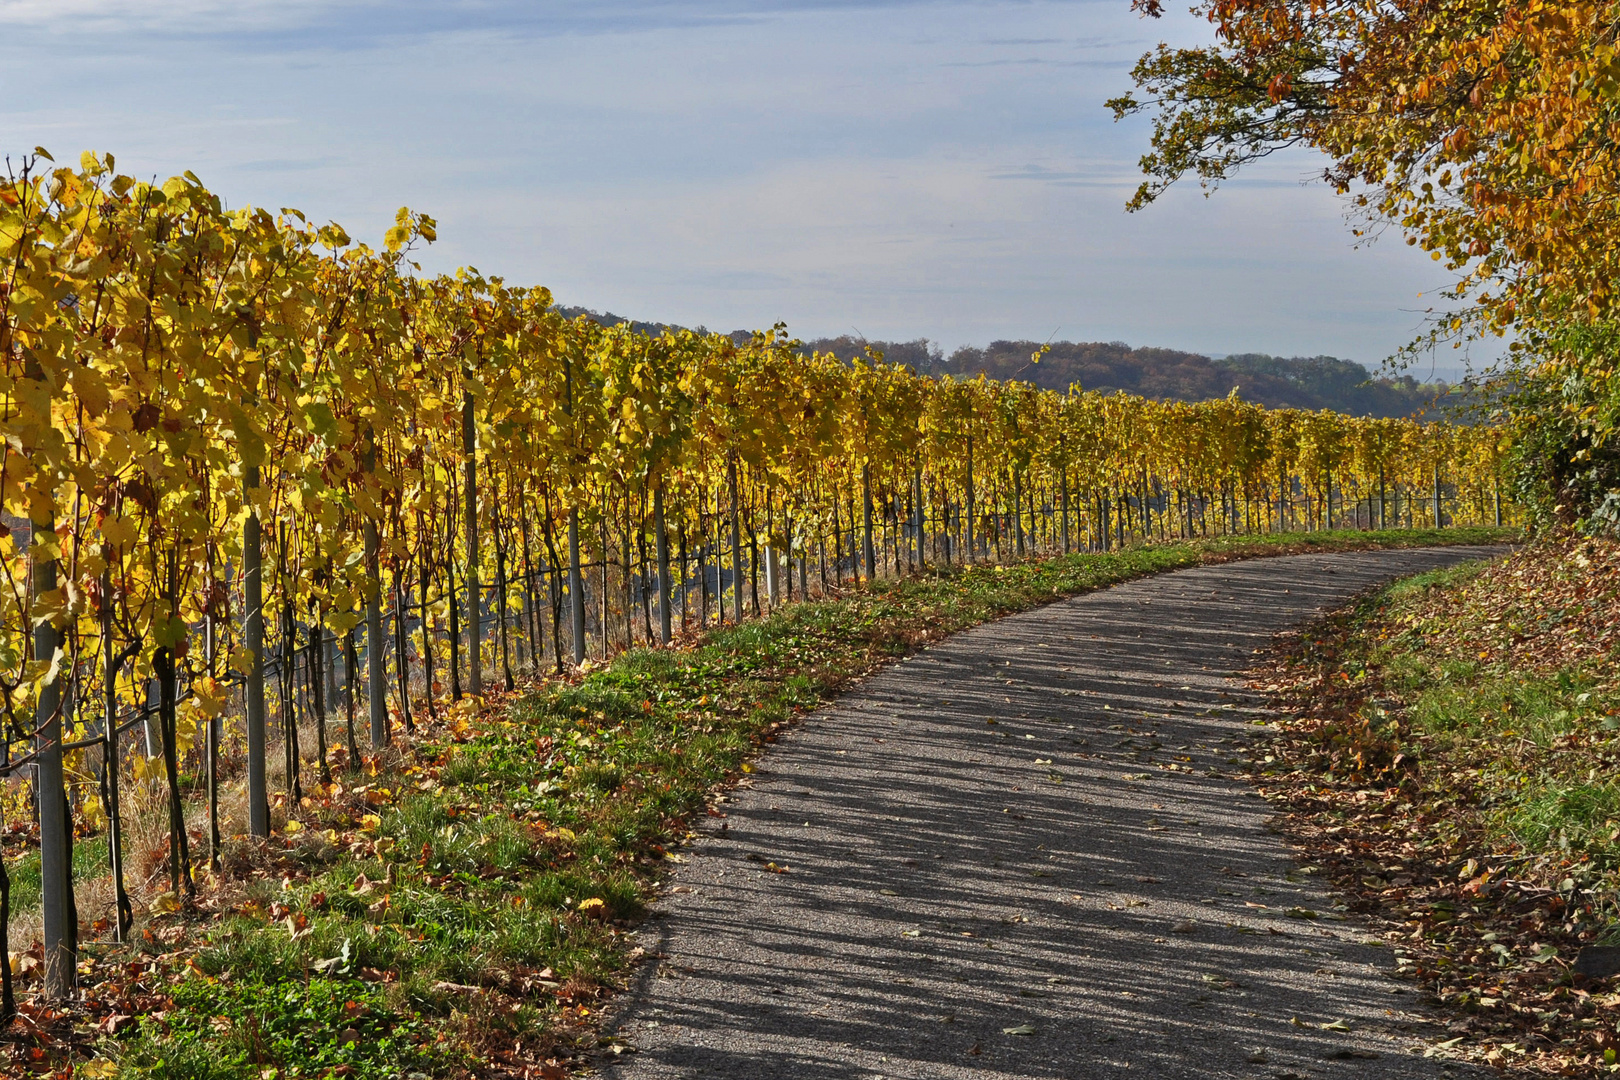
x=607 y=318
x=1304 y=382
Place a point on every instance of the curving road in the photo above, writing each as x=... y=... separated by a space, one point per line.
x=1083 y=888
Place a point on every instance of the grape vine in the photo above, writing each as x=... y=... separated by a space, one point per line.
x=244 y=453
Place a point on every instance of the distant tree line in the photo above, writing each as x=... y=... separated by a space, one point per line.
x=1300 y=382
x=1304 y=382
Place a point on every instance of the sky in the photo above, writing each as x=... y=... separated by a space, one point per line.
x=891 y=169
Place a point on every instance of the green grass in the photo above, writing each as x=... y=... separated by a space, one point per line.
x=248 y=1027
x=1535 y=746
x=1530 y=743
x=1569 y=817
x=89 y=861
x=514 y=857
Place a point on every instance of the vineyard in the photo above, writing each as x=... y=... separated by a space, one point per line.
x=272 y=495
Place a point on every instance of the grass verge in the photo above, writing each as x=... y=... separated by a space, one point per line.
x=1448 y=749
x=462 y=905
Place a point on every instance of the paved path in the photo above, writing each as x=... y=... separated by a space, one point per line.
x=949 y=878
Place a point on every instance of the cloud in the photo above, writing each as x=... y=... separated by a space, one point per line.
x=935 y=246
x=723 y=162
x=197 y=16
x=1038 y=61
x=354 y=23
x=287 y=164
x=1097 y=174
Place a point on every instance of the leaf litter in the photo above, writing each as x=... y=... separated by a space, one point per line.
x=1443 y=750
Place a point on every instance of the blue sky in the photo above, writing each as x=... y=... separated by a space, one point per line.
x=897 y=169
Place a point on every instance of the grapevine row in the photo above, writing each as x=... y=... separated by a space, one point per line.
x=244 y=454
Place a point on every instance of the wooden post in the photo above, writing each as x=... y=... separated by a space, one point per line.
x=317 y=688
x=376 y=683
x=454 y=605
x=868 y=552
x=502 y=539
x=253 y=633
x=970 y=552
x=111 y=660
x=921 y=522
x=576 y=588
x=1437 y=520
x=351 y=674
x=475 y=607
x=772 y=570
x=214 y=728
x=1065 y=508
x=736 y=548
x=56 y=881
x=163 y=661
x=424 y=582
x=1018 y=512
x=666 y=588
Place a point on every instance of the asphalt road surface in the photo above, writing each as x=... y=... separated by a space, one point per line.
x=1026 y=852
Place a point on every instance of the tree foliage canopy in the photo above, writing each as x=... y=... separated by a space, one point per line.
x=1486 y=130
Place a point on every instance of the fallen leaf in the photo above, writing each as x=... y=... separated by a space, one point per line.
x=1449 y=1044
